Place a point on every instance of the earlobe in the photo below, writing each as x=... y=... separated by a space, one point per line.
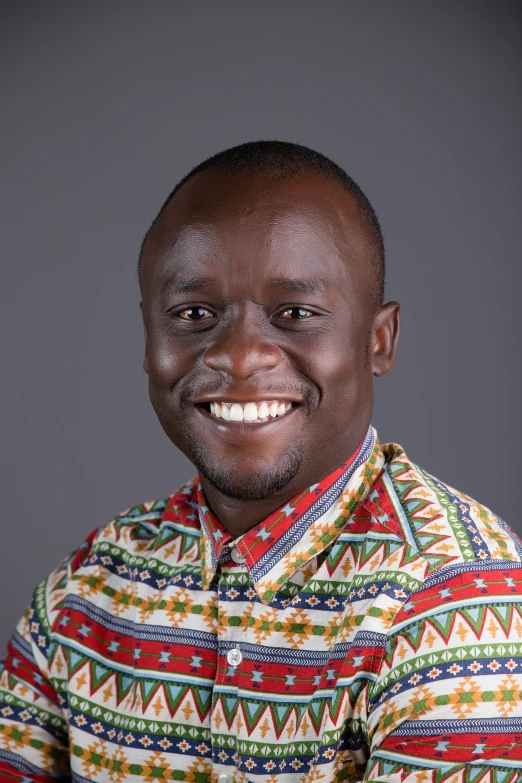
x=385 y=338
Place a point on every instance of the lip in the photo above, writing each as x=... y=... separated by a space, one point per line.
x=247 y=398
x=238 y=431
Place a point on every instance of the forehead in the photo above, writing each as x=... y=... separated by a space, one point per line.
x=255 y=227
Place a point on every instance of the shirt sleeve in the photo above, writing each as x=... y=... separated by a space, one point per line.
x=33 y=721
x=447 y=703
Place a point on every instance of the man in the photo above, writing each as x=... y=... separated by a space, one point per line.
x=312 y=606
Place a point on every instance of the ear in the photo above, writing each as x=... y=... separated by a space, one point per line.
x=146 y=359
x=385 y=338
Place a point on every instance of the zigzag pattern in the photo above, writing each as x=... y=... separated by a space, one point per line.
x=378 y=619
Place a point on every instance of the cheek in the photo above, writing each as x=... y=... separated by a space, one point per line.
x=167 y=362
x=168 y=365
x=342 y=372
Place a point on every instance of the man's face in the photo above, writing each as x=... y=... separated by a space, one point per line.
x=260 y=290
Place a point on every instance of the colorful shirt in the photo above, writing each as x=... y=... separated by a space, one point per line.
x=370 y=629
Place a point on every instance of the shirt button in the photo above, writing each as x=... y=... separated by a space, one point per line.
x=234 y=657
x=236 y=556
x=223 y=778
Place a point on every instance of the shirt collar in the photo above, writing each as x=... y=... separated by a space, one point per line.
x=290 y=537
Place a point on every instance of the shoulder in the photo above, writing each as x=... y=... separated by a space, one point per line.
x=79 y=576
x=444 y=524
x=139 y=527
x=466 y=599
x=129 y=536
x=454 y=636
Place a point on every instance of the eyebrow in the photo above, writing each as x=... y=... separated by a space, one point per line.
x=193 y=284
x=186 y=285
x=303 y=285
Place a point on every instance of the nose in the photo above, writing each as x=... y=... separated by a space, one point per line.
x=241 y=348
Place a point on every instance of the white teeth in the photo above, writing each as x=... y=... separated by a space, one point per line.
x=236 y=412
x=249 y=411
x=263 y=411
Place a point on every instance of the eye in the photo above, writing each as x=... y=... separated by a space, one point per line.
x=296 y=313
x=195 y=314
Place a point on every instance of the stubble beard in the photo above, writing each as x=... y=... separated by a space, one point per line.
x=254 y=485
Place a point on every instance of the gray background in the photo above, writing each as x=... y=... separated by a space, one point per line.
x=106 y=104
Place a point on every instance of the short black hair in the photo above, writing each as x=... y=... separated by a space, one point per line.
x=283 y=159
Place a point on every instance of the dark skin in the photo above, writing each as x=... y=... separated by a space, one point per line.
x=241 y=329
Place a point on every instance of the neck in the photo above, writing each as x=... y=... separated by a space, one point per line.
x=238 y=516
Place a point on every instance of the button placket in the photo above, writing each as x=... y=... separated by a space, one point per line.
x=234 y=655
x=231 y=657
x=233 y=631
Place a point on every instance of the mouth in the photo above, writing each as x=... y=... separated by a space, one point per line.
x=249 y=412
x=247 y=420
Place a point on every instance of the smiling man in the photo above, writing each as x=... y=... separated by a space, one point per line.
x=312 y=606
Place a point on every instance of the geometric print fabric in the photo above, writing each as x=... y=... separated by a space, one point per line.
x=371 y=629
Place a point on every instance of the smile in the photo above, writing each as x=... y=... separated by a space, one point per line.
x=238 y=423
x=251 y=412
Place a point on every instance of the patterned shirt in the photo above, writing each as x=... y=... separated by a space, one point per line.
x=370 y=629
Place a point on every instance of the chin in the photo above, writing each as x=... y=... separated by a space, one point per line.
x=248 y=481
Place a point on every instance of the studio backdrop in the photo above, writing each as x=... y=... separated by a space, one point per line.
x=105 y=105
